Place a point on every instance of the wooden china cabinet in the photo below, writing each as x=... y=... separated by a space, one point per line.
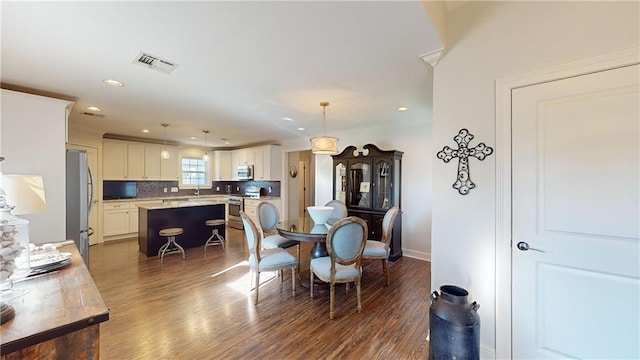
x=369 y=183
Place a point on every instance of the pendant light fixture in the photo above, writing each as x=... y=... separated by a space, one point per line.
x=205 y=157
x=164 y=153
x=324 y=145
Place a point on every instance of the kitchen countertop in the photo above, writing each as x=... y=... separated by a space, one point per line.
x=170 y=198
x=180 y=204
x=192 y=198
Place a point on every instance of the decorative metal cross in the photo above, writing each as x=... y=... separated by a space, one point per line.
x=463 y=183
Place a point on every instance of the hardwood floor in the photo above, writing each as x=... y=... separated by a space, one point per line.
x=200 y=308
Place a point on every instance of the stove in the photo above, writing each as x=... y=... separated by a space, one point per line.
x=236 y=204
x=253 y=192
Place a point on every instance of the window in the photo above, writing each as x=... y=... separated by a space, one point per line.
x=194 y=171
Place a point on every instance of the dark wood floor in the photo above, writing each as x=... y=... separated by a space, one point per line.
x=200 y=309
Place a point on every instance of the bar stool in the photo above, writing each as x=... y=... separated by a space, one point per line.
x=171 y=245
x=215 y=238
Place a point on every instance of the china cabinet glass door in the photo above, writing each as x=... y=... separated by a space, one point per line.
x=382 y=190
x=360 y=185
x=341 y=183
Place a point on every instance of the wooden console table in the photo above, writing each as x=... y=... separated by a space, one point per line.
x=59 y=318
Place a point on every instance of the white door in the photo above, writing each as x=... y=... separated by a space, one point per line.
x=576 y=164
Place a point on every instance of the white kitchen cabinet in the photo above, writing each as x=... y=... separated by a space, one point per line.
x=222 y=166
x=120 y=219
x=115 y=219
x=251 y=207
x=170 y=168
x=122 y=160
x=241 y=157
x=114 y=160
x=267 y=162
x=152 y=162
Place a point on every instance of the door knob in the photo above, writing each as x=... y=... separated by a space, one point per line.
x=523 y=246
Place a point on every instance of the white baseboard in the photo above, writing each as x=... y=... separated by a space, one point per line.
x=417 y=255
x=487 y=353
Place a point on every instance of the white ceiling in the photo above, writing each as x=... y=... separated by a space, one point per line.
x=243 y=66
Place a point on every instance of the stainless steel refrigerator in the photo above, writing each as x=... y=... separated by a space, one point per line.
x=79 y=187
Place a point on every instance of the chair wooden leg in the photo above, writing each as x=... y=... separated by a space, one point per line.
x=298 y=262
x=293 y=278
x=385 y=267
x=331 y=296
x=311 y=282
x=358 y=293
x=257 y=285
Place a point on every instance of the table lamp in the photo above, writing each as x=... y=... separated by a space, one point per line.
x=19 y=195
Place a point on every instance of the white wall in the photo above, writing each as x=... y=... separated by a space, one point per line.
x=33 y=142
x=491 y=40
x=414 y=139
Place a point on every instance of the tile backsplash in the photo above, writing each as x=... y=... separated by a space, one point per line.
x=153 y=189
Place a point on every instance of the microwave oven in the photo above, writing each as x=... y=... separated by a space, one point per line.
x=245 y=172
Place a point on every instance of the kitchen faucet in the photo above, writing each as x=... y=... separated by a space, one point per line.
x=197 y=191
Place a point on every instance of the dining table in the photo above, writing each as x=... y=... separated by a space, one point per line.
x=306 y=230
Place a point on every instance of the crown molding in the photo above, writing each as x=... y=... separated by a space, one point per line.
x=433 y=57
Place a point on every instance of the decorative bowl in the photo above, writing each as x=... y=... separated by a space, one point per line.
x=320 y=214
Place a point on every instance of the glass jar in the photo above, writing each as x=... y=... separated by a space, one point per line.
x=14 y=249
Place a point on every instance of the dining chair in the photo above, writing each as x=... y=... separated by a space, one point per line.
x=345 y=243
x=266 y=259
x=339 y=209
x=375 y=249
x=268 y=217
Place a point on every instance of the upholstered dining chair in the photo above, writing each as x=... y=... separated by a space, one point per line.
x=345 y=243
x=375 y=249
x=266 y=259
x=268 y=217
x=339 y=210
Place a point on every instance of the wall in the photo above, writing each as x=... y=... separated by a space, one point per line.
x=414 y=139
x=33 y=142
x=491 y=40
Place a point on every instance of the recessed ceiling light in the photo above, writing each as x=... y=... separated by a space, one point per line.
x=227 y=143
x=146 y=131
x=94 y=108
x=300 y=129
x=112 y=82
x=193 y=138
x=287 y=119
x=402 y=108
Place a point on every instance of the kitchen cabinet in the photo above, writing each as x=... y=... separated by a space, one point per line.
x=369 y=183
x=143 y=161
x=122 y=160
x=267 y=162
x=222 y=166
x=114 y=160
x=115 y=219
x=251 y=207
x=170 y=168
x=120 y=219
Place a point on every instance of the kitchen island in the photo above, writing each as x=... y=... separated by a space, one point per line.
x=188 y=215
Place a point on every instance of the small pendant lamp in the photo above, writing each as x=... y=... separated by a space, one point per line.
x=324 y=145
x=205 y=157
x=164 y=153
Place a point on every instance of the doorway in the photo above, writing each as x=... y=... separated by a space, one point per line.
x=300 y=187
x=547 y=296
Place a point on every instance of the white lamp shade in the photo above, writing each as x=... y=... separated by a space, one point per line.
x=25 y=192
x=324 y=145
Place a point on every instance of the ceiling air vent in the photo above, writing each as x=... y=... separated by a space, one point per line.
x=93 y=114
x=153 y=62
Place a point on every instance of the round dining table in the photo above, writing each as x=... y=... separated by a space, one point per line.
x=304 y=229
